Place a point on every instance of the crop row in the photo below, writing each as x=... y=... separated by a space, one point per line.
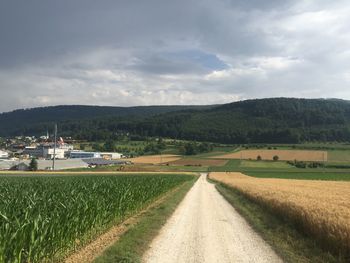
x=42 y=218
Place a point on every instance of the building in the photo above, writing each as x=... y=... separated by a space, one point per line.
x=84 y=155
x=34 y=151
x=61 y=164
x=48 y=153
x=4 y=155
x=111 y=155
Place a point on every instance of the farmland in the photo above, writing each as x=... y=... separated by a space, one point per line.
x=285 y=155
x=301 y=175
x=198 y=162
x=155 y=159
x=72 y=210
x=319 y=208
x=43 y=218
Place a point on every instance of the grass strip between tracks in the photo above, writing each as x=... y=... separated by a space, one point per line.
x=133 y=243
x=290 y=244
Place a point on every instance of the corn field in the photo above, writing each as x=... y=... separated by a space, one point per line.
x=42 y=218
x=319 y=208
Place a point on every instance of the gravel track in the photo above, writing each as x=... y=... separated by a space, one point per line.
x=206 y=228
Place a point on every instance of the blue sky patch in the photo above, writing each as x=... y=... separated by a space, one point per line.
x=206 y=60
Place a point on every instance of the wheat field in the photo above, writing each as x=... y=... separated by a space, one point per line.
x=284 y=155
x=320 y=208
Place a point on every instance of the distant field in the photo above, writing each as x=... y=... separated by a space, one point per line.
x=231 y=165
x=264 y=164
x=155 y=159
x=340 y=156
x=198 y=162
x=163 y=168
x=286 y=155
x=302 y=175
x=280 y=169
x=238 y=165
x=319 y=208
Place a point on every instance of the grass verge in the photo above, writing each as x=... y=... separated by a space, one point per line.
x=282 y=235
x=134 y=242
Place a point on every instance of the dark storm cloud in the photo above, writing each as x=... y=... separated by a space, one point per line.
x=126 y=52
x=43 y=29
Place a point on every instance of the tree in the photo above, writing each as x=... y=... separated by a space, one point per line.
x=109 y=146
x=97 y=147
x=258 y=158
x=151 y=148
x=161 y=144
x=189 y=149
x=275 y=158
x=33 y=165
x=205 y=147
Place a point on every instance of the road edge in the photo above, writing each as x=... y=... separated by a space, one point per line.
x=133 y=243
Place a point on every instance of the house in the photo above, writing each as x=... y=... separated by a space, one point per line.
x=4 y=155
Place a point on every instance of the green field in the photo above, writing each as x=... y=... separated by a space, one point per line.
x=238 y=165
x=339 y=156
x=269 y=169
x=43 y=218
x=320 y=175
x=231 y=165
x=264 y=164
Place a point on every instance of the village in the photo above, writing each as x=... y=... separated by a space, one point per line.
x=17 y=153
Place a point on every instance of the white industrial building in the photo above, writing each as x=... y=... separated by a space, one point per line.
x=104 y=155
x=111 y=155
x=49 y=153
x=84 y=155
x=46 y=151
x=4 y=155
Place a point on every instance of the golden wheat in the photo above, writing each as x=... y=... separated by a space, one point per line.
x=284 y=155
x=320 y=208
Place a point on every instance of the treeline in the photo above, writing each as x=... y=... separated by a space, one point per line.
x=76 y=117
x=278 y=120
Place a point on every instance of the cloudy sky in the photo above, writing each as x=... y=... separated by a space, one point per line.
x=114 y=52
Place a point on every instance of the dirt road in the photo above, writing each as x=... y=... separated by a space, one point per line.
x=205 y=228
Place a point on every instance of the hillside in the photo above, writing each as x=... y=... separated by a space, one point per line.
x=38 y=120
x=278 y=120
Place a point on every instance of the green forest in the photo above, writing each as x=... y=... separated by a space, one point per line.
x=275 y=120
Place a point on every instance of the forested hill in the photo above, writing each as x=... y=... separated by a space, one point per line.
x=278 y=120
x=38 y=120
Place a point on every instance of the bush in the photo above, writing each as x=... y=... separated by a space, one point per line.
x=275 y=158
x=258 y=158
x=33 y=166
x=300 y=164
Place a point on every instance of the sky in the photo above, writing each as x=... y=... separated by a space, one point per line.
x=159 y=52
